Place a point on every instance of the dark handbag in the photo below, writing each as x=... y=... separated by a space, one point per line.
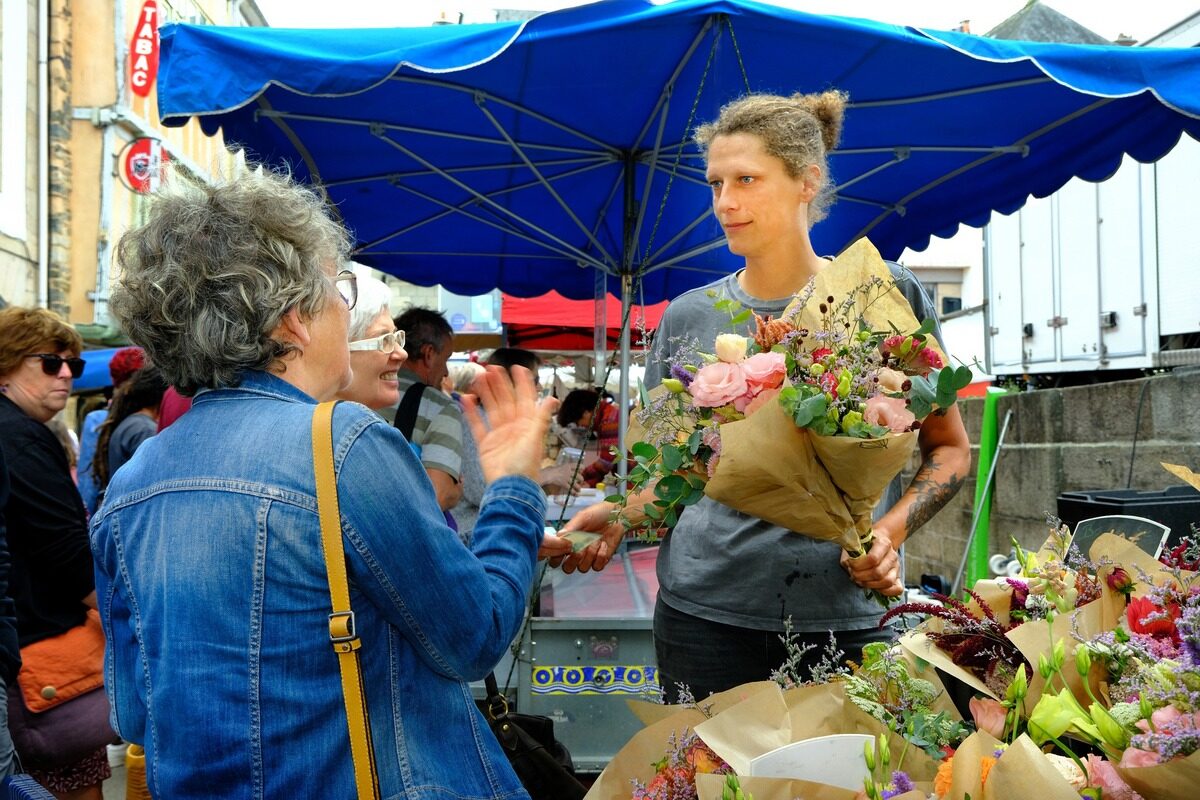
x=57 y=710
x=541 y=762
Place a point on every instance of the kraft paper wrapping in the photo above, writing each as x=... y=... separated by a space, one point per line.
x=769 y=469
x=650 y=713
x=636 y=759
x=917 y=643
x=709 y=787
x=773 y=718
x=858 y=265
x=1024 y=771
x=1036 y=637
x=1021 y=771
x=1175 y=780
x=1183 y=473
x=862 y=469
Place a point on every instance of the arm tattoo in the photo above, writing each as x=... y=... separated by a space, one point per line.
x=931 y=493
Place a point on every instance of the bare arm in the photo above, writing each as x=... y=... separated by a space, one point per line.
x=449 y=491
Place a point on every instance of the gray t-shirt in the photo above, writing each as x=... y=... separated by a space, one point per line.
x=728 y=567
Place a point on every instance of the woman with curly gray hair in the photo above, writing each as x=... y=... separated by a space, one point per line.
x=212 y=585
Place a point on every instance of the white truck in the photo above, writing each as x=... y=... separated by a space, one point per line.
x=1100 y=276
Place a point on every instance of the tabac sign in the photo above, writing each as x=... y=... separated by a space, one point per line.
x=143 y=50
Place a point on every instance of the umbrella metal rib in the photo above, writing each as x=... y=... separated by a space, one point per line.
x=423 y=173
x=545 y=184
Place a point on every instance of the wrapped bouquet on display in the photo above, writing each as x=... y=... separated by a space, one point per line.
x=1077 y=677
x=805 y=422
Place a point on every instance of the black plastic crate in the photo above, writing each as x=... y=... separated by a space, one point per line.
x=1176 y=507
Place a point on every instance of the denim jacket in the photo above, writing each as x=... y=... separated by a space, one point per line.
x=214 y=599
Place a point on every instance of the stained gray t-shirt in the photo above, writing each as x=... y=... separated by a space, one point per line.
x=728 y=567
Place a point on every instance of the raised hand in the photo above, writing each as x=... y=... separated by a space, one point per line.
x=518 y=421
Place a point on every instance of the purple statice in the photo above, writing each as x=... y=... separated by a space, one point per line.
x=1175 y=738
x=680 y=373
x=899 y=784
x=1188 y=626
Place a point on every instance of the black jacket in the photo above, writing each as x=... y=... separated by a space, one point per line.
x=52 y=568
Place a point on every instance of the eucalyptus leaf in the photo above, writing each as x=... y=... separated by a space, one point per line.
x=653 y=512
x=644 y=450
x=742 y=317
x=672 y=459
x=694 y=442
x=962 y=378
x=671 y=487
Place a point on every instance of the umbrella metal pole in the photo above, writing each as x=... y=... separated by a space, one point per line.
x=987 y=486
x=623 y=392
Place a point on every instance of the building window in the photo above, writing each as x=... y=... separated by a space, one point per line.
x=14 y=83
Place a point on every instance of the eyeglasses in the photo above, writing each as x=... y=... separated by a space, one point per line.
x=347 y=286
x=388 y=342
x=52 y=364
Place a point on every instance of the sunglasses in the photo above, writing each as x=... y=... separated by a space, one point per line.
x=388 y=342
x=347 y=286
x=52 y=364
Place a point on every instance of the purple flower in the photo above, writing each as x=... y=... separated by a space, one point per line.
x=900 y=784
x=682 y=375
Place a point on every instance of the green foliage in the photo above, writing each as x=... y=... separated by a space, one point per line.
x=884 y=688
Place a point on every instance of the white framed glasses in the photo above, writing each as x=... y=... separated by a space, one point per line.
x=388 y=342
x=346 y=282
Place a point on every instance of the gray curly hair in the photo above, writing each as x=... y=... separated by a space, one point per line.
x=798 y=130
x=208 y=278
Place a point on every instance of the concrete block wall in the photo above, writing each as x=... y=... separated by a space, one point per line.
x=1062 y=440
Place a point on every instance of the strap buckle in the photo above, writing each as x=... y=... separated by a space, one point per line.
x=342 y=629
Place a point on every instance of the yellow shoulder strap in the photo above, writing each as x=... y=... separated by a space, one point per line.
x=342 y=633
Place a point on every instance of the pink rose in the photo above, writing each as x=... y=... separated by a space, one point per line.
x=1133 y=757
x=764 y=371
x=717 y=384
x=759 y=400
x=888 y=412
x=988 y=714
x=1102 y=775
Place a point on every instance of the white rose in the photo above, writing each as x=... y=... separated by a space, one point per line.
x=731 y=348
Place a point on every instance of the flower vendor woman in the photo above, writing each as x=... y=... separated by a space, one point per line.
x=729 y=581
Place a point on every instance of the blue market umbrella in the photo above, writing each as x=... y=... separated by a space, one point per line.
x=555 y=153
x=527 y=156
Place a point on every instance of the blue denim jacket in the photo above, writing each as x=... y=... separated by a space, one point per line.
x=214 y=598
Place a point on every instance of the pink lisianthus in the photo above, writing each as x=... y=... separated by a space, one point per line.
x=718 y=384
x=764 y=370
x=1102 y=775
x=888 y=412
x=1135 y=757
x=758 y=401
x=989 y=715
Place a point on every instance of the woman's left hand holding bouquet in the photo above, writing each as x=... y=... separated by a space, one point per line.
x=878 y=568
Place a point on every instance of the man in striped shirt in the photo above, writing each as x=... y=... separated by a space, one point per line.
x=438 y=427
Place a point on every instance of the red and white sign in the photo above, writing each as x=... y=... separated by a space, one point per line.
x=143 y=164
x=143 y=50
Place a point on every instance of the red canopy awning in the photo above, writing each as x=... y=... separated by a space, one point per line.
x=552 y=322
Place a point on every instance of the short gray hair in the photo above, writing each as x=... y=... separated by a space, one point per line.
x=208 y=278
x=374 y=297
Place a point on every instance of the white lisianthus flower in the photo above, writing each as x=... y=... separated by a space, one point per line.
x=731 y=348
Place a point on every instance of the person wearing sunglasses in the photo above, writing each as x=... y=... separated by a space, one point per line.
x=51 y=582
x=214 y=589
x=376 y=347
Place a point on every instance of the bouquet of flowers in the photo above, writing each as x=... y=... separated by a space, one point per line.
x=805 y=423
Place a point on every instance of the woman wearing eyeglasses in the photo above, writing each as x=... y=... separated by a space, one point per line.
x=51 y=581
x=213 y=587
x=376 y=347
